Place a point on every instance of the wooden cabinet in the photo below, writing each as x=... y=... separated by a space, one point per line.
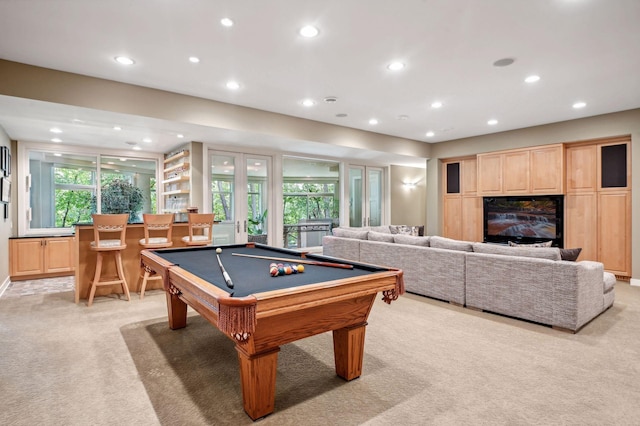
x=462 y=208
x=538 y=170
x=41 y=257
x=598 y=202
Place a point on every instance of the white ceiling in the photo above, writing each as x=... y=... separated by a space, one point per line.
x=583 y=50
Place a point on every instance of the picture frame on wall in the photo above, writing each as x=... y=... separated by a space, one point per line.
x=5 y=190
x=6 y=211
x=7 y=170
x=4 y=159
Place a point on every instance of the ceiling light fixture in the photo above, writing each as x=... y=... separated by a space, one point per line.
x=56 y=140
x=430 y=134
x=308 y=102
x=233 y=85
x=117 y=128
x=180 y=136
x=504 y=62
x=194 y=59
x=579 y=105
x=330 y=99
x=309 y=31
x=136 y=148
x=403 y=117
x=341 y=115
x=532 y=79
x=436 y=105
x=492 y=122
x=226 y=22
x=55 y=130
x=147 y=140
x=123 y=60
x=373 y=121
x=395 y=66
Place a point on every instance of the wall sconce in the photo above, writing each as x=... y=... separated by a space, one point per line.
x=409 y=185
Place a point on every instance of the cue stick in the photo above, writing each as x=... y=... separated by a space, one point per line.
x=226 y=276
x=306 y=261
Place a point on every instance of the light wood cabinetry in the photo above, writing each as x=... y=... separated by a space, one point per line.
x=462 y=208
x=41 y=257
x=538 y=170
x=598 y=202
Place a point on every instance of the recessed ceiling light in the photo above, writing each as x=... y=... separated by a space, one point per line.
x=117 y=128
x=57 y=154
x=436 y=105
x=56 y=140
x=330 y=99
x=55 y=130
x=373 y=121
x=492 y=122
x=532 y=79
x=180 y=135
x=579 y=105
x=309 y=31
x=430 y=134
x=403 y=117
x=504 y=62
x=147 y=140
x=395 y=66
x=194 y=59
x=341 y=115
x=123 y=60
x=226 y=22
x=137 y=148
x=233 y=85
x=77 y=121
x=308 y=102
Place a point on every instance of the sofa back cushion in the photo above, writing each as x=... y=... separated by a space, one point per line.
x=449 y=244
x=550 y=253
x=350 y=233
x=411 y=240
x=380 y=236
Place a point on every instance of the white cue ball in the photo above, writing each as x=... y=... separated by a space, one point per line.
x=218 y=250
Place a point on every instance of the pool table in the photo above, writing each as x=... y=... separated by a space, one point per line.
x=261 y=312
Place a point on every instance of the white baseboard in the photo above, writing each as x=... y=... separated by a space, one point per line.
x=7 y=281
x=634 y=281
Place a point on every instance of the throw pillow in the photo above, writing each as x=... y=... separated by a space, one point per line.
x=545 y=244
x=417 y=231
x=411 y=240
x=349 y=233
x=380 y=236
x=570 y=254
x=400 y=229
x=449 y=244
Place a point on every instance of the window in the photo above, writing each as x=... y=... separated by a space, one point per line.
x=311 y=200
x=64 y=188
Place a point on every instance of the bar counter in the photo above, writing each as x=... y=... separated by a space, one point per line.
x=86 y=260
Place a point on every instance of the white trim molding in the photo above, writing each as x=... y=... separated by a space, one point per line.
x=635 y=282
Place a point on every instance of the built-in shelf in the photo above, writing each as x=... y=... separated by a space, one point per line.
x=177 y=179
x=179 y=191
x=184 y=166
x=177 y=156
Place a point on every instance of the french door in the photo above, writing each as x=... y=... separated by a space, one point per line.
x=366 y=196
x=239 y=196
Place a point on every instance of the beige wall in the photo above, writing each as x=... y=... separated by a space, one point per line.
x=408 y=205
x=602 y=126
x=5 y=225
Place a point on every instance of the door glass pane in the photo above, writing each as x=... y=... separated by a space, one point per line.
x=356 y=185
x=223 y=198
x=375 y=197
x=257 y=198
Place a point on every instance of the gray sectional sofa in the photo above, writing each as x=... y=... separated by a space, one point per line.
x=534 y=284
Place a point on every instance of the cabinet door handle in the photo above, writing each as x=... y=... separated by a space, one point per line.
x=238 y=227
x=245 y=226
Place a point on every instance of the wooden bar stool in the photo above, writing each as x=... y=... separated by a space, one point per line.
x=157 y=234
x=109 y=224
x=202 y=224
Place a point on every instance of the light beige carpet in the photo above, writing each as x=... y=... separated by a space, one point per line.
x=426 y=362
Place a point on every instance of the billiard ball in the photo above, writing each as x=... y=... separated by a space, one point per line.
x=300 y=268
x=218 y=250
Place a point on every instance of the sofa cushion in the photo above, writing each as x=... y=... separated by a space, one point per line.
x=551 y=253
x=411 y=240
x=449 y=244
x=570 y=254
x=545 y=244
x=609 y=281
x=350 y=233
x=384 y=229
x=380 y=236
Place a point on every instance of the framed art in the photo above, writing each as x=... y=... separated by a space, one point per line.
x=4 y=160
x=6 y=211
x=5 y=190
x=7 y=170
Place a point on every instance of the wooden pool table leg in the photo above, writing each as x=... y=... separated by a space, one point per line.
x=348 y=350
x=258 y=380
x=177 y=311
